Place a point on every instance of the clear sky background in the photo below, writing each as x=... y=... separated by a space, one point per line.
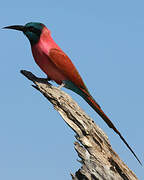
x=105 y=40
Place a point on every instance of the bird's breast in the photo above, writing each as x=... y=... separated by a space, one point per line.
x=40 y=54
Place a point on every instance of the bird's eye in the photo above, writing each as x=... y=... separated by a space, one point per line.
x=34 y=30
x=31 y=29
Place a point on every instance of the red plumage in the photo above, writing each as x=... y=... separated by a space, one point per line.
x=58 y=67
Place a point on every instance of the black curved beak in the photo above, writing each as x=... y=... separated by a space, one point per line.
x=15 y=27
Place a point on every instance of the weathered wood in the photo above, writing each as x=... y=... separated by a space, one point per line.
x=98 y=159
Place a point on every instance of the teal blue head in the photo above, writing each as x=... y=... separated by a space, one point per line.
x=32 y=30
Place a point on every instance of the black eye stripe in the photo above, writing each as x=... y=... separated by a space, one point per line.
x=32 y=29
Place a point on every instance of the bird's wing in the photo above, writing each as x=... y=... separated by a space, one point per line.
x=65 y=65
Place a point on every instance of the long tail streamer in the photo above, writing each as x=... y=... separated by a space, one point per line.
x=97 y=108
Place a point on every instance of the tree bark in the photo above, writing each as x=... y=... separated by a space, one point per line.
x=98 y=159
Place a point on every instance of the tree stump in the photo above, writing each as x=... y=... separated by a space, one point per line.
x=98 y=159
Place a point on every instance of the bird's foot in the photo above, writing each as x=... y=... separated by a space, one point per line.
x=62 y=85
x=48 y=78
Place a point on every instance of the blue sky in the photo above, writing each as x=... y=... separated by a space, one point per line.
x=105 y=40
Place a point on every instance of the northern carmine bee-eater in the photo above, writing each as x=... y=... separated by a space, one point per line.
x=59 y=68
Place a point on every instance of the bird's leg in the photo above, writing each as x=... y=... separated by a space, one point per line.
x=48 y=78
x=62 y=85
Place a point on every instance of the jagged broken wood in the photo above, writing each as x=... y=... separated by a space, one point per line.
x=98 y=159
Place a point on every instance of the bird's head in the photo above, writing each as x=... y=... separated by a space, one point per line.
x=32 y=30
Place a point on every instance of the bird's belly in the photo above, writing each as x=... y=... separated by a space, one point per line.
x=48 y=67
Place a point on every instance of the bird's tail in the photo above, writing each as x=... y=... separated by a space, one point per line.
x=89 y=99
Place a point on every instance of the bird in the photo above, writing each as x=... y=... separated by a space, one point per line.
x=56 y=64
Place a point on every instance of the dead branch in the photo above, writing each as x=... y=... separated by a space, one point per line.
x=98 y=159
